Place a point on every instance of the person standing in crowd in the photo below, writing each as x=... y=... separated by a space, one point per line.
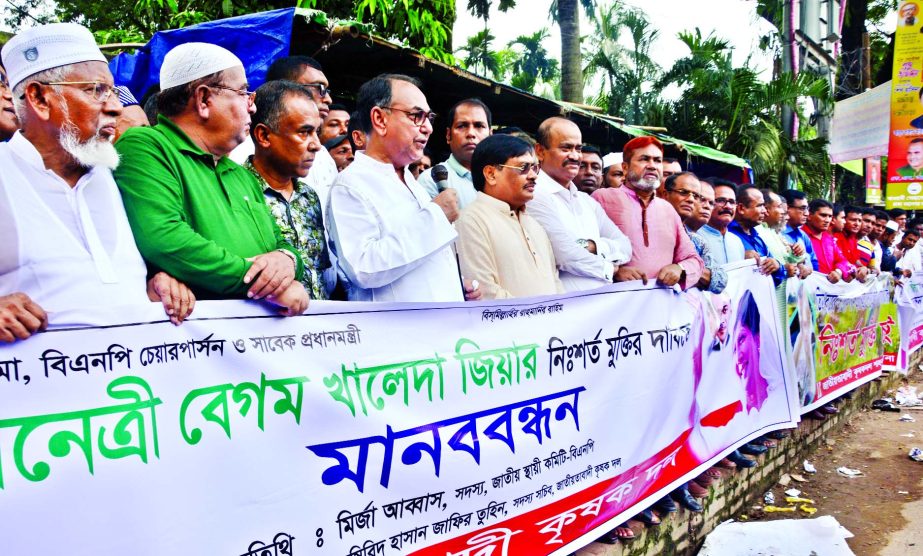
x=422 y=164
x=394 y=242
x=132 y=113
x=751 y=212
x=888 y=260
x=499 y=244
x=839 y=220
x=613 y=175
x=196 y=214
x=589 y=249
x=590 y=175
x=284 y=132
x=868 y=243
x=911 y=258
x=469 y=124
x=790 y=255
x=8 y=122
x=725 y=248
x=341 y=150
x=335 y=124
x=848 y=238
x=660 y=246
x=797 y=217
x=66 y=239
x=830 y=260
x=900 y=217
x=357 y=136
x=714 y=277
x=671 y=166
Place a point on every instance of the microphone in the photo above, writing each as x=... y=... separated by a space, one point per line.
x=440 y=175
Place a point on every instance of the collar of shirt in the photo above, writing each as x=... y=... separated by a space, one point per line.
x=179 y=139
x=26 y=151
x=544 y=182
x=299 y=187
x=708 y=230
x=456 y=167
x=633 y=195
x=498 y=205
x=752 y=239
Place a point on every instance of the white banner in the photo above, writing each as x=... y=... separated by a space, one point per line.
x=529 y=426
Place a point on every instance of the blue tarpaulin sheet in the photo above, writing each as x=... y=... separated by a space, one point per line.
x=257 y=39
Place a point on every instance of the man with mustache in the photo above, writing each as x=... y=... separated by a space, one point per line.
x=797 y=203
x=830 y=260
x=284 y=131
x=590 y=176
x=393 y=242
x=8 y=122
x=693 y=201
x=66 y=241
x=499 y=244
x=589 y=249
x=725 y=247
x=660 y=247
x=197 y=214
x=751 y=212
x=469 y=124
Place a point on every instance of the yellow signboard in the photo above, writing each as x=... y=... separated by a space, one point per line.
x=905 y=147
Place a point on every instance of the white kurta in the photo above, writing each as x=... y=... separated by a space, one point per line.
x=569 y=215
x=393 y=243
x=66 y=247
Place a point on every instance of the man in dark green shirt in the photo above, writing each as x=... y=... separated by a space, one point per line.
x=196 y=214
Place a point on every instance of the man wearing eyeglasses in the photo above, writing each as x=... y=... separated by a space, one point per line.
x=499 y=244
x=393 y=242
x=797 y=217
x=660 y=247
x=684 y=192
x=589 y=249
x=725 y=248
x=67 y=243
x=197 y=214
x=751 y=212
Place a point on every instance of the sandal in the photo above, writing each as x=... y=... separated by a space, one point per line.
x=621 y=533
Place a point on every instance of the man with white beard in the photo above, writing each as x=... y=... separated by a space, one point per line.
x=660 y=246
x=66 y=241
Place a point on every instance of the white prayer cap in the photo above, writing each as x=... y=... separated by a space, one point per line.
x=892 y=225
x=48 y=46
x=612 y=158
x=193 y=60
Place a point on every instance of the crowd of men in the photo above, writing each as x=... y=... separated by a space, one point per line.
x=210 y=191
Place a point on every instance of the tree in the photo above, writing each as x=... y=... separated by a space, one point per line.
x=532 y=62
x=481 y=59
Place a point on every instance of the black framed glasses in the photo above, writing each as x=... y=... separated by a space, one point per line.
x=418 y=117
x=322 y=90
x=251 y=95
x=523 y=168
x=100 y=93
x=721 y=201
x=685 y=194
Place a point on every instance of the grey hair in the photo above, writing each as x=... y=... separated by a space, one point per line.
x=49 y=75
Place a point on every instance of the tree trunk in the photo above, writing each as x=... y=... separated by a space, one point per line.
x=571 y=70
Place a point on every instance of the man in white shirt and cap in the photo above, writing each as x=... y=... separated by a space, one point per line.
x=66 y=240
x=195 y=213
x=469 y=124
x=393 y=241
x=589 y=249
x=613 y=174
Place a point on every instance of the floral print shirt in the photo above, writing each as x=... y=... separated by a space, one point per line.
x=302 y=225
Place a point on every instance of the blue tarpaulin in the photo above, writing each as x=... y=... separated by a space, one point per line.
x=257 y=39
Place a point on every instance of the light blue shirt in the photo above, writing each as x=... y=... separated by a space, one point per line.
x=725 y=248
x=459 y=179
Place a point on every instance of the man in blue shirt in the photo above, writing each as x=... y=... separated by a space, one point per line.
x=751 y=210
x=725 y=248
x=798 y=217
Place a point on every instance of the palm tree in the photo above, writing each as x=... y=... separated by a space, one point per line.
x=565 y=14
x=481 y=59
x=532 y=62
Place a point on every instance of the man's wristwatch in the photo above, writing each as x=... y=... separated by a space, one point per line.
x=290 y=255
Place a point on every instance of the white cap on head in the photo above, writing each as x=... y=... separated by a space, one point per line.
x=48 y=46
x=194 y=60
x=892 y=225
x=612 y=158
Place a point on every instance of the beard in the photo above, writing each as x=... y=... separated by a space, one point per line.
x=642 y=183
x=95 y=151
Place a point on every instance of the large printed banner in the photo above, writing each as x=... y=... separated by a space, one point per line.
x=905 y=147
x=840 y=335
x=524 y=427
x=909 y=299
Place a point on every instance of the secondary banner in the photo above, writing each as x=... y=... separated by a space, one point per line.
x=839 y=335
x=909 y=299
x=525 y=427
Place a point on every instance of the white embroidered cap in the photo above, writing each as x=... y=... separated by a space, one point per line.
x=193 y=60
x=612 y=158
x=48 y=46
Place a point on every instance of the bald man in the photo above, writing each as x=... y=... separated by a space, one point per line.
x=589 y=249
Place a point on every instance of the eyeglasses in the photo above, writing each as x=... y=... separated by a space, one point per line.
x=101 y=91
x=418 y=117
x=708 y=203
x=802 y=209
x=523 y=168
x=722 y=201
x=685 y=194
x=322 y=90
x=251 y=96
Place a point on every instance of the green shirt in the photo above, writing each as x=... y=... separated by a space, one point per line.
x=909 y=172
x=192 y=218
